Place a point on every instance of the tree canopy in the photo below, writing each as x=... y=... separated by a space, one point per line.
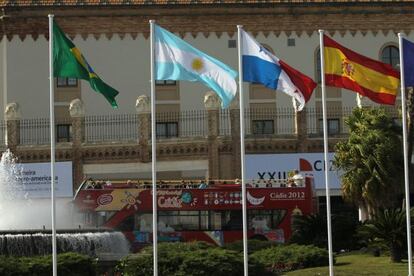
x=371 y=160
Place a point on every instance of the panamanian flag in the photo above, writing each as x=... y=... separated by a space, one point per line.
x=261 y=66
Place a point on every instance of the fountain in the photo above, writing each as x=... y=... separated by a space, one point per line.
x=92 y=244
x=25 y=222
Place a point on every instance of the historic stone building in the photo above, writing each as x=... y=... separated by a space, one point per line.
x=195 y=137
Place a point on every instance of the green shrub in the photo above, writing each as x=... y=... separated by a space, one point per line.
x=219 y=261
x=290 y=257
x=187 y=259
x=387 y=227
x=68 y=264
x=312 y=230
x=178 y=246
x=253 y=245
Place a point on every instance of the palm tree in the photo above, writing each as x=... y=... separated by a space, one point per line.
x=371 y=160
x=388 y=226
x=309 y=229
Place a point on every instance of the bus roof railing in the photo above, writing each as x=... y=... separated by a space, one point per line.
x=190 y=183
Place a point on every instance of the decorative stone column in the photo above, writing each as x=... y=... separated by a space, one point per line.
x=301 y=130
x=143 y=107
x=12 y=116
x=235 y=137
x=77 y=113
x=212 y=105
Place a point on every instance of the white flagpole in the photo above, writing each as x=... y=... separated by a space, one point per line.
x=5 y=76
x=5 y=42
x=243 y=177
x=405 y=148
x=52 y=145
x=325 y=151
x=154 y=153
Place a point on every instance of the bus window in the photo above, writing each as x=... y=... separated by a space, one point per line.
x=215 y=220
x=103 y=217
x=204 y=225
x=143 y=222
x=169 y=219
x=260 y=220
x=179 y=220
x=189 y=220
x=89 y=219
x=232 y=220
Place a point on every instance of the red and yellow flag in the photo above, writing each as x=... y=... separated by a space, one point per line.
x=347 y=69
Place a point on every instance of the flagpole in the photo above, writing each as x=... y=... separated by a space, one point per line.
x=154 y=153
x=405 y=148
x=52 y=145
x=325 y=151
x=4 y=68
x=242 y=153
x=6 y=136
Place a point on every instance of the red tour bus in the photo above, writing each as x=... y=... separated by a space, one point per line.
x=207 y=212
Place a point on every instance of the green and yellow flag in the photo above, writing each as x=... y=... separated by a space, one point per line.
x=68 y=62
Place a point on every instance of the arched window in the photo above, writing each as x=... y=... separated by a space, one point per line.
x=390 y=55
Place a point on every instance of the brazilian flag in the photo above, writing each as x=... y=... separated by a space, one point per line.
x=68 y=62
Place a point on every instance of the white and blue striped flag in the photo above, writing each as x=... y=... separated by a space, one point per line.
x=175 y=59
x=261 y=66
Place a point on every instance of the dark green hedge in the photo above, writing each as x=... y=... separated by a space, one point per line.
x=282 y=258
x=189 y=259
x=69 y=264
x=253 y=245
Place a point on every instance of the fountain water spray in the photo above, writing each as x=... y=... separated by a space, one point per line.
x=22 y=217
x=18 y=210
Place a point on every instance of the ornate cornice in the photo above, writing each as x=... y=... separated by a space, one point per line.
x=188 y=149
x=171 y=3
x=104 y=21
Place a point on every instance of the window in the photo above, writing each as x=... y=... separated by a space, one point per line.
x=63 y=132
x=89 y=219
x=291 y=42
x=165 y=82
x=180 y=220
x=262 y=220
x=170 y=221
x=261 y=127
x=67 y=82
x=391 y=56
x=333 y=126
x=232 y=43
x=104 y=216
x=232 y=220
x=167 y=129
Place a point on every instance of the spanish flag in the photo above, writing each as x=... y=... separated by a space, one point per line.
x=347 y=69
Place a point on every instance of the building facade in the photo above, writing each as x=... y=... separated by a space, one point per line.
x=195 y=137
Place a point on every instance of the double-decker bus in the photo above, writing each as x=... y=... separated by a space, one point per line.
x=191 y=210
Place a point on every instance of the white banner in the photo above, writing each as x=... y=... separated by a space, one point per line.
x=277 y=166
x=35 y=178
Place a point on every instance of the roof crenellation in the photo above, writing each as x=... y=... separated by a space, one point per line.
x=80 y=3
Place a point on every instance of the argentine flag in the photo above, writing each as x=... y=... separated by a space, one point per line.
x=261 y=66
x=175 y=59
